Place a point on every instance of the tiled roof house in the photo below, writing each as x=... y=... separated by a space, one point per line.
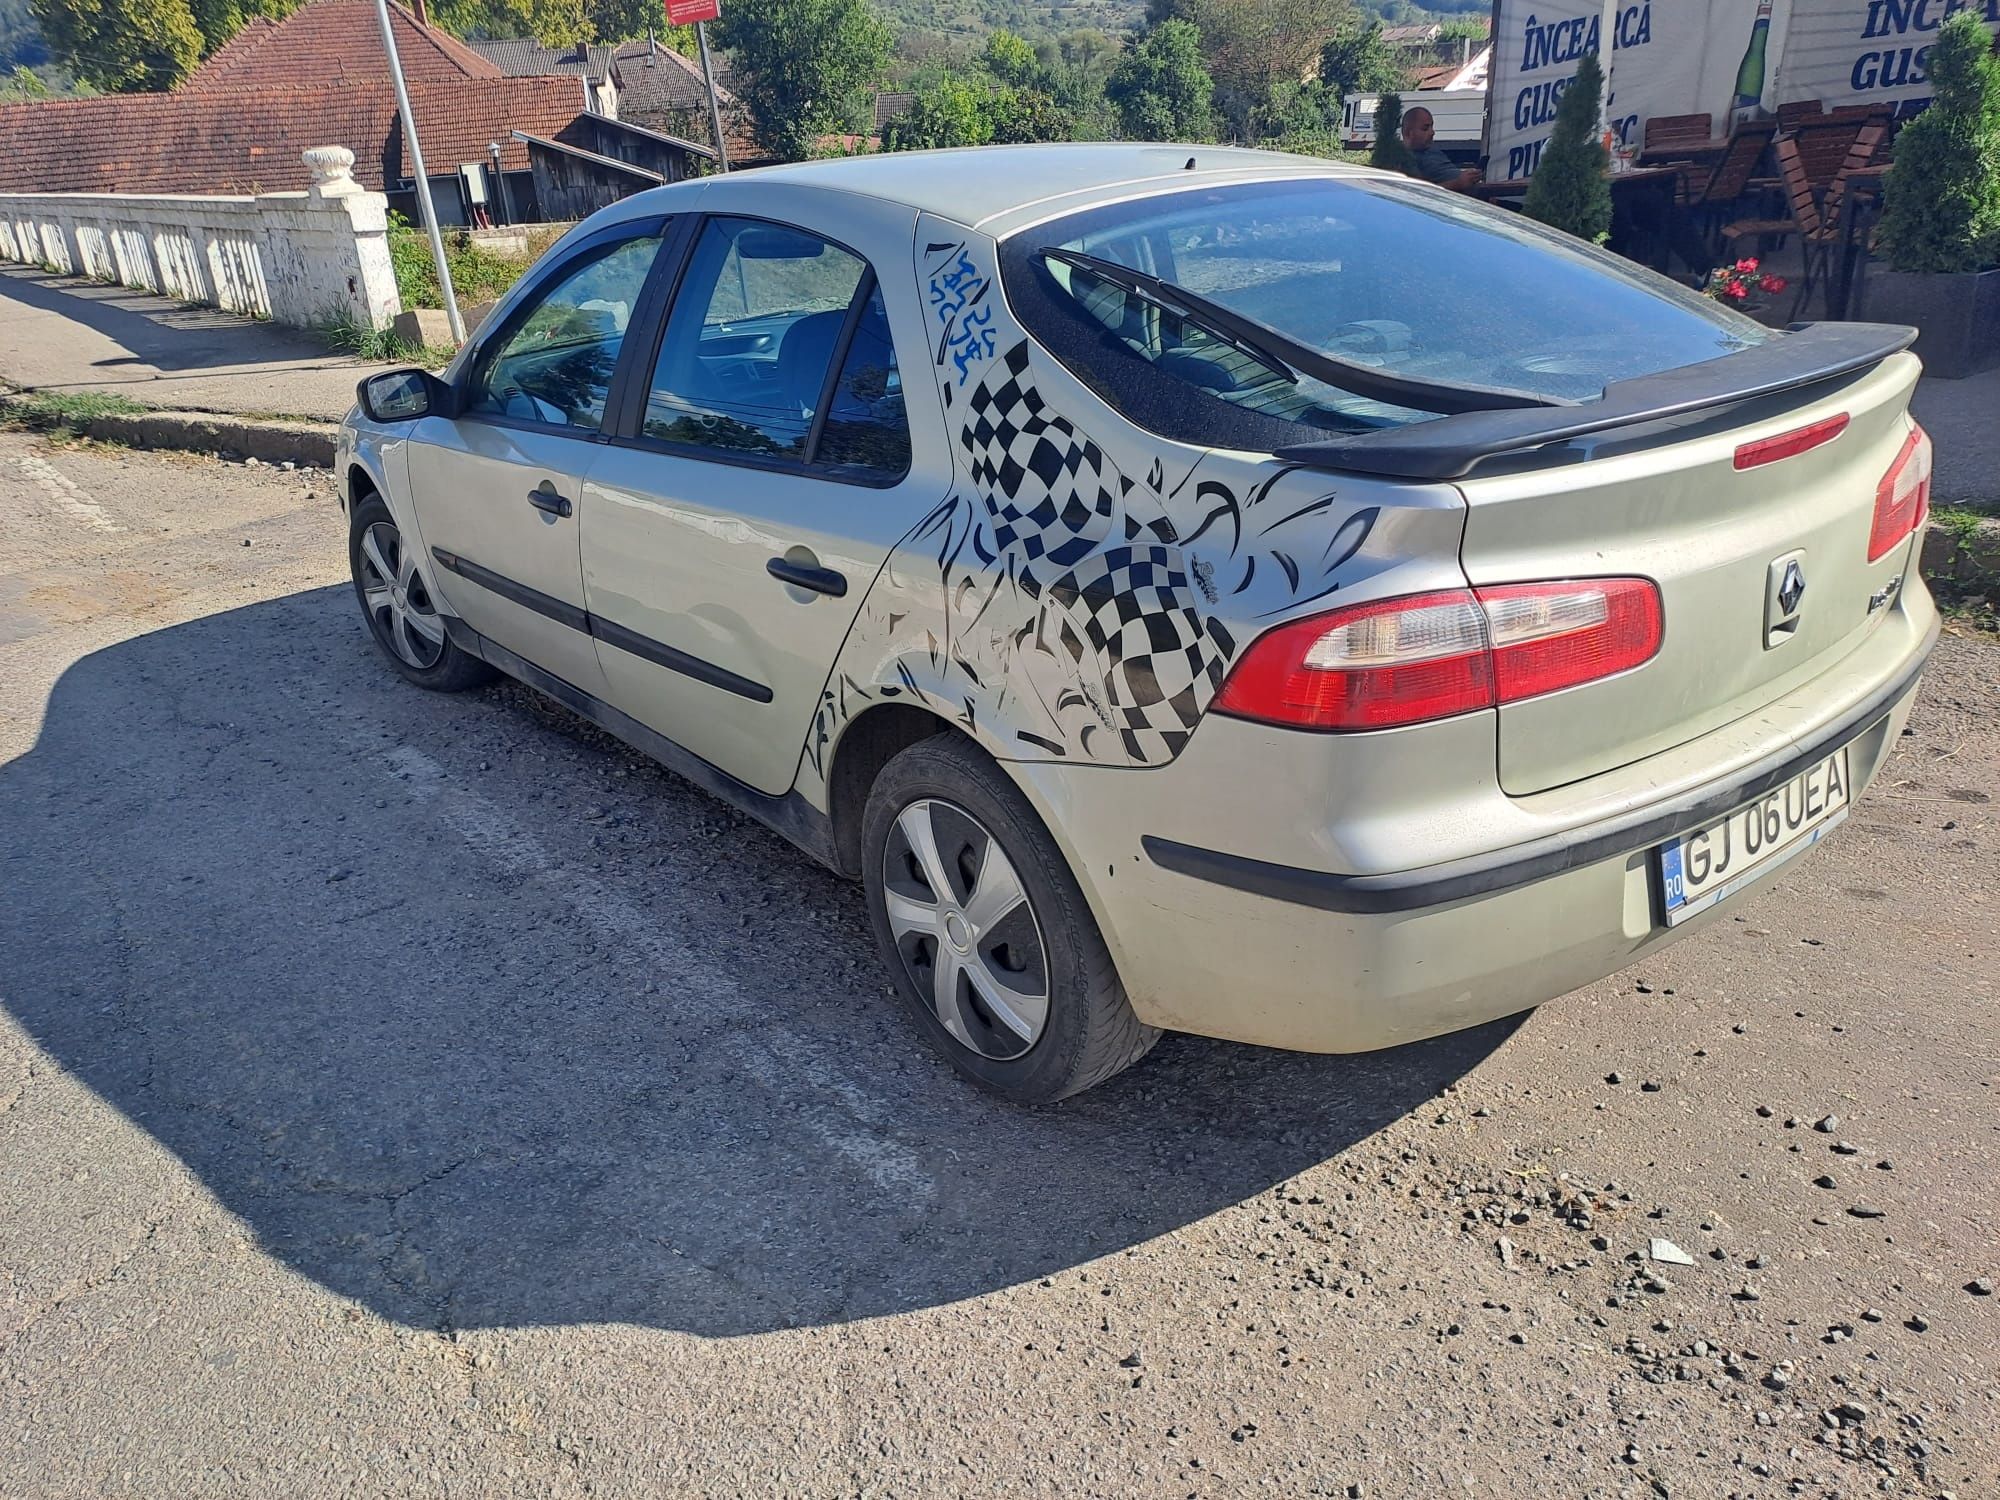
x=317 y=78
x=595 y=66
x=663 y=90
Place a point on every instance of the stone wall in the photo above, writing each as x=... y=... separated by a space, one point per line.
x=310 y=258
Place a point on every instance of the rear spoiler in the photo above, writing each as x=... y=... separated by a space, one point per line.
x=1449 y=447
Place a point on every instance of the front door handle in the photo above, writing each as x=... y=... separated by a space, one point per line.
x=545 y=499
x=807 y=576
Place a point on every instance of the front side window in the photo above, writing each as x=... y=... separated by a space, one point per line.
x=755 y=329
x=555 y=363
x=1405 y=303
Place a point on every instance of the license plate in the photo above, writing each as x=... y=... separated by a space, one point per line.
x=1701 y=868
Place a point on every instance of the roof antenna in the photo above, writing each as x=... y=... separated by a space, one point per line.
x=1190 y=165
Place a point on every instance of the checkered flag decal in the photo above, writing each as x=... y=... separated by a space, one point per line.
x=1050 y=492
x=1160 y=661
x=1124 y=609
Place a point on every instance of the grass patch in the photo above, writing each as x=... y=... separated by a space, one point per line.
x=382 y=345
x=477 y=275
x=1967 y=589
x=64 y=411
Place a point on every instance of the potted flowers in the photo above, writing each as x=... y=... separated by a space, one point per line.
x=1941 y=210
x=1742 y=286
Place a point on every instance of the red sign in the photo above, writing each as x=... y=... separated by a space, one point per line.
x=687 y=12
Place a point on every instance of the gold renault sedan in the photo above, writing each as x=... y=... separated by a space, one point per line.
x=1190 y=589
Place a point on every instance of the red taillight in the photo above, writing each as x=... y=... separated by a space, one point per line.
x=1549 y=636
x=1790 y=444
x=1429 y=656
x=1395 y=661
x=1903 y=498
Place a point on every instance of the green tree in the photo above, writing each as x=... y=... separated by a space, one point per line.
x=952 y=112
x=1298 y=117
x=553 y=23
x=219 y=20
x=1021 y=116
x=801 y=66
x=1161 y=88
x=1011 y=60
x=1569 y=191
x=1941 y=208
x=1254 y=46
x=975 y=110
x=1389 y=153
x=23 y=84
x=624 y=20
x=1357 y=61
x=1074 y=69
x=122 y=46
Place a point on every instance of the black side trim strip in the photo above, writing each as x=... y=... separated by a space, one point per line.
x=662 y=655
x=790 y=815
x=1449 y=447
x=1524 y=864
x=559 y=610
x=656 y=652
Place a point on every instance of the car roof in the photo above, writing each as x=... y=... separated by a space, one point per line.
x=1008 y=187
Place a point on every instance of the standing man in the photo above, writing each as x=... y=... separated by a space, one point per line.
x=1420 y=134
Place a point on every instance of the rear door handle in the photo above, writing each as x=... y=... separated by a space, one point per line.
x=544 y=498
x=806 y=576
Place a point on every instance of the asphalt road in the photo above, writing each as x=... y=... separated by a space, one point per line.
x=417 y=1095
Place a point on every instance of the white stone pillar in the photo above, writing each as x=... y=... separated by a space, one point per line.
x=335 y=264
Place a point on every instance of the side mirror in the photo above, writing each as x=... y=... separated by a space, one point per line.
x=403 y=396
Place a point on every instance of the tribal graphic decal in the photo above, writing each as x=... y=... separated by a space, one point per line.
x=1058 y=605
x=957 y=291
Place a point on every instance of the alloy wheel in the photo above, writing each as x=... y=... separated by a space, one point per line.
x=398 y=604
x=965 y=929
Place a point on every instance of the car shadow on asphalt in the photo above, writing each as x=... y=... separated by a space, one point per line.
x=479 y=1021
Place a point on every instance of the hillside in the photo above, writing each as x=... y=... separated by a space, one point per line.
x=1038 y=18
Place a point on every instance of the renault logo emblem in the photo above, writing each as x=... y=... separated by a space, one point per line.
x=1793 y=588
x=1784 y=590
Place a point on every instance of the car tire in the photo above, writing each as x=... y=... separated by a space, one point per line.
x=982 y=1011
x=395 y=601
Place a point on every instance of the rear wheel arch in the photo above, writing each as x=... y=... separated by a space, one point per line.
x=877 y=736
x=868 y=743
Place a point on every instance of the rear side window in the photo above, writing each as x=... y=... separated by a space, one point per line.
x=1431 y=288
x=762 y=314
x=865 y=427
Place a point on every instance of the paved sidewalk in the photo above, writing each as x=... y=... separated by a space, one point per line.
x=60 y=333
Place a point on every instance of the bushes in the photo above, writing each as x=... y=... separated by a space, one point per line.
x=476 y=275
x=1941 y=210
x=1569 y=191
x=1161 y=87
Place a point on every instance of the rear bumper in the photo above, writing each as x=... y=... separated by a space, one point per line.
x=1281 y=954
x=1504 y=869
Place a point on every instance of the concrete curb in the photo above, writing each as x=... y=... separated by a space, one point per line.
x=270 y=440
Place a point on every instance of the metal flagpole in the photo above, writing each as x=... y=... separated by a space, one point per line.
x=708 y=80
x=423 y=183
x=1606 y=46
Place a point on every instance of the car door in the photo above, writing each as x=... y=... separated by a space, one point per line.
x=498 y=487
x=768 y=466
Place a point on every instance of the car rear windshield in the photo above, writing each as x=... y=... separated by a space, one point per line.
x=1407 y=304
